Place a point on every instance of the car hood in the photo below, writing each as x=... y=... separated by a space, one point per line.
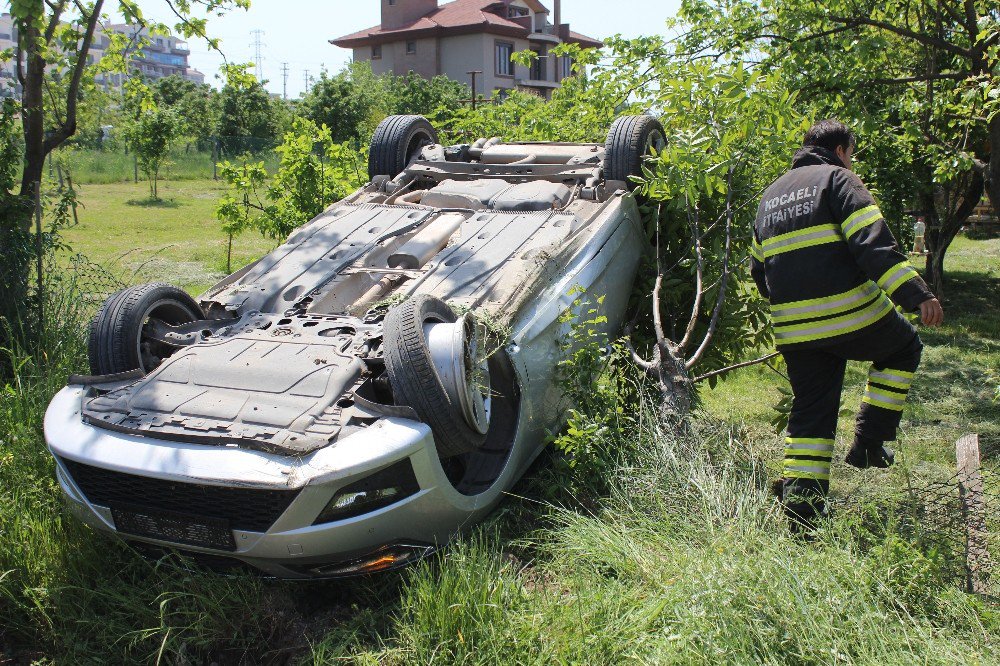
x=262 y=390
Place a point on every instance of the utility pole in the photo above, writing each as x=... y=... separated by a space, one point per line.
x=473 y=74
x=258 y=45
x=284 y=79
x=306 y=72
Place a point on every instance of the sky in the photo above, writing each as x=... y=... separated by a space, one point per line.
x=297 y=32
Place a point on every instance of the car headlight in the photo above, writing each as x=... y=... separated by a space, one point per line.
x=376 y=491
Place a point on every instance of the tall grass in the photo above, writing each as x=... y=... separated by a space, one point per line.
x=74 y=595
x=688 y=562
x=678 y=557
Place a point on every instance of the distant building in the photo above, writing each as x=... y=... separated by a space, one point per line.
x=464 y=35
x=162 y=56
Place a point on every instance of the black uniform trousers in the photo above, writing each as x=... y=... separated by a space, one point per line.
x=817 y=377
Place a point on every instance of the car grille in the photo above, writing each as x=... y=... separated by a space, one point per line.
x=249 y=509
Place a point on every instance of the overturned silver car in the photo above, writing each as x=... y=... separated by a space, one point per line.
x=339 y=406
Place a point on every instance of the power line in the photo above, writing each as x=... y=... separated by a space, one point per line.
x=258 y=46
x=284 y=78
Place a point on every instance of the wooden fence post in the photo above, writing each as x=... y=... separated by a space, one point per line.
x=970 y=493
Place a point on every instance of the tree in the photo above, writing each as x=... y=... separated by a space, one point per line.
x=920 y=79
x=150 y=130
x=196 y=104
x=413 y=94
x=314 y=172
x=729 y=132
x=246 y=111
x=351 y=103
x=56 y=36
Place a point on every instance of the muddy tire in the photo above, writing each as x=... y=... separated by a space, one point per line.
x=415 y=380
x=116 y=342
x=629 y=142
x=396 y=140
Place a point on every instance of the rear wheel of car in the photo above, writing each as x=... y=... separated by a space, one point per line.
x=396 y=141
x=122 y=334
x=630 y=140
x=435 y=365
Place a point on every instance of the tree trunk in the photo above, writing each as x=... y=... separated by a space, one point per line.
x=676 y=387
x=993 y=169
x=32 y=115
x=953 y=203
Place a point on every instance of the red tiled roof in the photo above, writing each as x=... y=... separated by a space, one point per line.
x=459 y=16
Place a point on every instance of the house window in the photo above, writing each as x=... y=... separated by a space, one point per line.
x=411 y=48
x=565 y=67
x=514 y=12
x=392 y=3
x=538 y=67
x=505 y=66
x=377 y=52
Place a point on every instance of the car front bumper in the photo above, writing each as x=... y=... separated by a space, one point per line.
x=292 y=547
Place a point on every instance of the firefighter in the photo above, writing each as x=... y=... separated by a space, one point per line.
x=838 y=285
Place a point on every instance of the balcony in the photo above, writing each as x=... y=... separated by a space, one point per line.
x=545 y=34
x=538 y=83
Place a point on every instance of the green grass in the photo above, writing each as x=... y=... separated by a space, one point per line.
x=683 y=558
x=89 y=166
x=177 y=239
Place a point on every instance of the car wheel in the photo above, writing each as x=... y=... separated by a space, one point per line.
x=630 y=140
x=122 y=335
x=436 y=366
x=396 y=141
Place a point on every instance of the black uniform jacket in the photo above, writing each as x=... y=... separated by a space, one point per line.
x=824 y=257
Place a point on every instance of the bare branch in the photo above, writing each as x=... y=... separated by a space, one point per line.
x=942 y=76
x=67 y=128
x=57 y=11
x=944 y=45
x=721 y=298
x=722 y=371
x=699 y=293
x=657 y=318
x=647 y=366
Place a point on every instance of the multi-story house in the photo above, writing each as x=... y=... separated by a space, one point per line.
x=461 y=36
x=159 y=57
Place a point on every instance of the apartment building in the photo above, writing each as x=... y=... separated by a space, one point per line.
x=161 y=56
x=469 y=35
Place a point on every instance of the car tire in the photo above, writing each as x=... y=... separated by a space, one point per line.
x=629 y=142
x=115 y=343
x=396 y=140
x=415 y=380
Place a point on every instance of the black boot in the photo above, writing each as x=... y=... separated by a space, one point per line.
x=804 y=503
x=864 y=454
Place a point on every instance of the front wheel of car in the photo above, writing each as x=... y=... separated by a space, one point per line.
x=437 y=365
x=396 y=141
x=631 y=140
x=128 y=332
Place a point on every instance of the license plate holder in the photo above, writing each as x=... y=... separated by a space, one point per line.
x=173 y=527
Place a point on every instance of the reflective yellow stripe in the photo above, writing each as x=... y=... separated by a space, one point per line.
x=828 y=328
x=757 y=251
x=896 y=276
x=808 y=452
x=809 y=440
x=877 y=401
x=889 y=377
x=796 y=473
x=820 y=234
x=860 y=219
x=827 y=305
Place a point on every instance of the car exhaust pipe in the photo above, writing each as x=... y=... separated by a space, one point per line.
x=427 y=242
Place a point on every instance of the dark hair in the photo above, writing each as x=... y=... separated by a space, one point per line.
x=830 y=134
